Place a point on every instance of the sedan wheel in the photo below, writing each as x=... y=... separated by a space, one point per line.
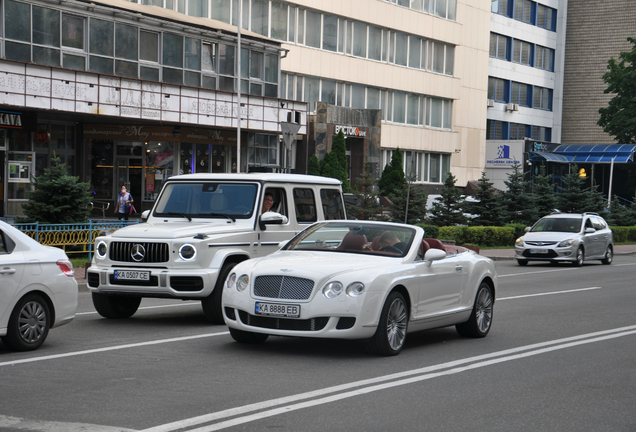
x=390 y=335
x=609 y=256
x=580 y=257
x=28 y=325
x=480 y=321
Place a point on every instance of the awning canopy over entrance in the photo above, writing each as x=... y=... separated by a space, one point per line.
x=587 y=153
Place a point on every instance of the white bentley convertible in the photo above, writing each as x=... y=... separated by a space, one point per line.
x=360 y=280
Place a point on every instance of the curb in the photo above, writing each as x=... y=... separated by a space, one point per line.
x=505 y=258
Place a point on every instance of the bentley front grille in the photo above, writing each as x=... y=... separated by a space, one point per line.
x=311 y=324
x=139 y=252
x=283 y=287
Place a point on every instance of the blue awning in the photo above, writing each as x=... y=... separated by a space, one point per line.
x=587 y=153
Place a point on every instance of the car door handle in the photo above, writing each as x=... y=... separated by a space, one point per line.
x=7 y=270
x=458 y=268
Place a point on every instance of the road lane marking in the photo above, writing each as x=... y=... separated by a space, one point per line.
x=274 y=406
x=149 y=307
x=113 y=348
x=549 y=293
x=537 y=272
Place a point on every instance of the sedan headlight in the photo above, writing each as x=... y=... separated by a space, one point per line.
x=332 y=289
x=566 y=243
x=102 y=249
x=187 y=252
x=519 y=242
x=242 y=282
x=355 y=289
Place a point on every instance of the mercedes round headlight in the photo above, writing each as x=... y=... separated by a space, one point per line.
x=102 y=248
x=332 y=289
x=355 y=289
x=187 y=252
x=242 y=282
x=231 y=281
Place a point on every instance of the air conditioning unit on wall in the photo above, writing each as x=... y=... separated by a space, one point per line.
x=491 y=103
x=512 y=107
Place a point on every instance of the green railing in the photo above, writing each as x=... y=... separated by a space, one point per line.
x=66 y=235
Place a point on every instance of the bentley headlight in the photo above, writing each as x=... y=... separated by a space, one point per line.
x=102 y=248
x=355 y=289
x=566 y=243
x=332 y=289
x=231 y=281
x=242 y=282
x=187 y=252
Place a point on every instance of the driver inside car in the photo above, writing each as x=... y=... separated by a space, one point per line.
x=390 y=242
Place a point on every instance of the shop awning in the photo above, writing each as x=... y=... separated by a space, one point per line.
x=587 y=153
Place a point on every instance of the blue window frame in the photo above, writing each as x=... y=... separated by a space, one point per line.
x=498 y=89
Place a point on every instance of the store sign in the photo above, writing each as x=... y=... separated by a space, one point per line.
x=350 y=131
x=10 y=119
x=42 y=136
x=503 y=155
x=159 y=133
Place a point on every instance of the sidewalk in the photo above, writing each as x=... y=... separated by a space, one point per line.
x=508 y=254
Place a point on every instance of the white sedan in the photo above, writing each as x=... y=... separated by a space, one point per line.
x=38 y=290
x=360 y=280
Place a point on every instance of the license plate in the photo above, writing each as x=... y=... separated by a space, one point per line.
x=275 y=309
x=132 y=275
x=538 y=251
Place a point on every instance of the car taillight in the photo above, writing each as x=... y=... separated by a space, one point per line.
x=67 y=267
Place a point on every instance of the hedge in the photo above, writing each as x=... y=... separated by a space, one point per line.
x=624 y=234
x=430 y=231
x=482 y=236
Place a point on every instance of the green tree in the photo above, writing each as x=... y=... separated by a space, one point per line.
x=618 y=119
x=416 y=209
x=544 y=194
x=335 y=164
x=367 y=207
x=392 y=177
x=618 y=215
x=313 y=166
x=447 y=210
x=488 y=207
x=519 y=207
x=58 y=197
x=576 y=197
x=631 y=212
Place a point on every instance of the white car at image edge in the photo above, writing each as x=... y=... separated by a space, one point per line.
x=38 y=290
x=365 y=280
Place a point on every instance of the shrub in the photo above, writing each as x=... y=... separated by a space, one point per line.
x=430 y=231
x=519 y=229
x=620 y=233
x=482 y=236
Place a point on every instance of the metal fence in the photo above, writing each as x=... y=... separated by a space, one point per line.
x=72 y=238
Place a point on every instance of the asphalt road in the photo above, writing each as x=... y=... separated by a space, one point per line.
x=560 y=357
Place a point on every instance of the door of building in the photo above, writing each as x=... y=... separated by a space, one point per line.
x=128 y=172
x=3 y=174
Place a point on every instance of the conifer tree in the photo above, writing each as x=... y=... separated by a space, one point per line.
x=573 y=196
x=58 y=197
x=618 y=215
x=334 y=164
x=447 y=209
x=393 y=177
x=519 y=207
x=544 y=194
x=367 y=207
x=313 y=166
x=488 y=207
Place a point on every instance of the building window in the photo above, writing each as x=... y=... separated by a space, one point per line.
x=519 y=93
x=542 y=98
x=523 y=11
x=498 y=89
x=544 y=58
x=546 y=17
x=262 y=150
x=422 y=166
x=499 y=7
x=521 y=52
x=494 y=130
x=499 y=46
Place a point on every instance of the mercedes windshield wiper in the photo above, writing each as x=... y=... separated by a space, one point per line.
x=221 y=215
x=180 y=214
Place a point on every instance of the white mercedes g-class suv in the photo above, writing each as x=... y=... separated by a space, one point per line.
x=200 y=227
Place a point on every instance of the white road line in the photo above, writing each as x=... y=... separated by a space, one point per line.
x=113 y=348
x=403 y=377
x=150 y=307
x=549 y=293
x=538 y=272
